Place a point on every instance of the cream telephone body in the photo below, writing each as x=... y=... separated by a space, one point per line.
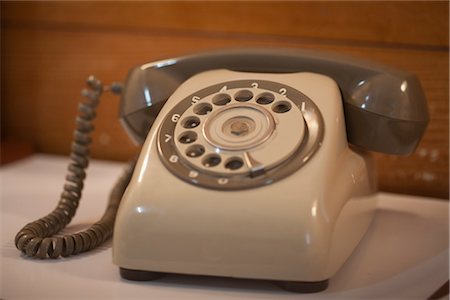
x=288 y=229
x=246 y=170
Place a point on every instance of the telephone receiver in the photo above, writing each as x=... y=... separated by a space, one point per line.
x=385 y=109
x=245 y=169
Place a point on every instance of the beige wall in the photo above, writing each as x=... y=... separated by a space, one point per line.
x=48 y=49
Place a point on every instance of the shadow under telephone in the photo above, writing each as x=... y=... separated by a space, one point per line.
x=245 y=170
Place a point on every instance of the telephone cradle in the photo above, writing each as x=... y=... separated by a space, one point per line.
x=256 y=163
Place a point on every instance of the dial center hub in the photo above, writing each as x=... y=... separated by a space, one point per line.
x=238 y=127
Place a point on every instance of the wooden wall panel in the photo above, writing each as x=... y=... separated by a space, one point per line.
x=338 y=22
x=48 y=51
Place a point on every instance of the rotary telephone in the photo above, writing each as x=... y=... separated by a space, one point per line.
x=254 y=164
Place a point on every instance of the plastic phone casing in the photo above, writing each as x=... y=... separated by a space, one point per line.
x=300 y=228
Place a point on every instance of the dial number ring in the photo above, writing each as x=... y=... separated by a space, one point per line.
x=244 y=172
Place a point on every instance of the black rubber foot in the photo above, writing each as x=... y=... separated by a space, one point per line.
x=303 y=286
x=291 y=286
x=138 y=275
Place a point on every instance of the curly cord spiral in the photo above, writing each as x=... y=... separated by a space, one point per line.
x=36 y=238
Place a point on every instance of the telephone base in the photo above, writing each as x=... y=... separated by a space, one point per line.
x=291 y=286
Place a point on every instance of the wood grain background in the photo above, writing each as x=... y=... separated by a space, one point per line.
x=49 y=48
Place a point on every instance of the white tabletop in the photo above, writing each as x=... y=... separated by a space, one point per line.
x=403 y=255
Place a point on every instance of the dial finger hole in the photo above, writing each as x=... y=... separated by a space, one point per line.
x=195 y=151
x=243 y=95
x=211 y=160
x=187 y=137
x=203 y=108
x=281 y=107
x=234 y=163
x=221 y=99
x=191 y=122
x=265 y=98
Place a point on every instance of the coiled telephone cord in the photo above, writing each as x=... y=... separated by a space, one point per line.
x=36 y=238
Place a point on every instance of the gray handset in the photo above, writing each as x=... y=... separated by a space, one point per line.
x=385 y=109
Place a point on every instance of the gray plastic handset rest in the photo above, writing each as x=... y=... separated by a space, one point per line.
x=385 y=109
